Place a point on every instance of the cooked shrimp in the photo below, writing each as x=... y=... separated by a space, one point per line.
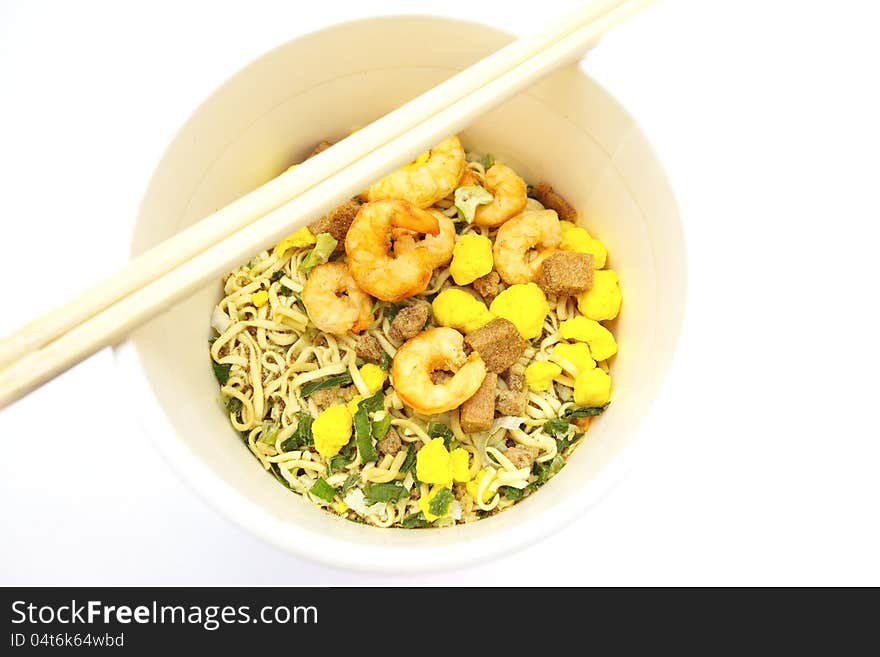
x=510 y=196
x=438 y=349
x=523 y=243
x=368 y=243
x=334 y=302
x=439 y=246
x=432 y=176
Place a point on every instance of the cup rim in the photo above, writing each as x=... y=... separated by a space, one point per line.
x=325 y=548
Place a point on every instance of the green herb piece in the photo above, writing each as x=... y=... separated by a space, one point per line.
x=325 y=243
x=233 y=404
x=269 y=433
x=278 y=476
x=323 y=490
x=373 y=403
x=345 y=456
x=467 y=199
x=583 y=411
x=409 y=463
x=440 y=430
x=414 y=521
x=285 y=291
x=385 y=361
x=213 y=339
x=439 y=505
x=329 y=382
x=557 y=427
x=391 y=493
x=251 y=264
x=487 y=161
x=543 y=471
x=363 y=431
x=511 y=493
x=222 y=372
x=352 y=481
x=376 y=305
x=303 y=434
x=276 y=276
x=381 y=427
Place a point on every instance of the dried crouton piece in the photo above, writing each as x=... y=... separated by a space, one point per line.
x=547 y=196
x=368 y=348
x=337 y=222
x=499 y=344
x=522 y=456
x=565 y=273
x=409 y=322
x=514 y=400
x=390 y=444
x=478 y=412
x=488 y=286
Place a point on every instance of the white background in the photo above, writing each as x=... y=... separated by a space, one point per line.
x=761 y=459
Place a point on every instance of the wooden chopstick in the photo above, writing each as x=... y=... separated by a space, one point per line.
x=75 y=334
x=225 y=222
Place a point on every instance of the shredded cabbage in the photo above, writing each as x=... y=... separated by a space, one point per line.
x=467 y=199
x=220 y=320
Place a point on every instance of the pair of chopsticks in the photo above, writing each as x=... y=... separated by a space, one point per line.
x=207 y=250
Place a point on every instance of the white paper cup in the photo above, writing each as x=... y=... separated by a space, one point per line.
x=565 y=130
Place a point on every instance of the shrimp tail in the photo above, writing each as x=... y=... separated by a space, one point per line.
x=414 y=219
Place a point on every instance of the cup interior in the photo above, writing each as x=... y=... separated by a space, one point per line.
x=565 y=130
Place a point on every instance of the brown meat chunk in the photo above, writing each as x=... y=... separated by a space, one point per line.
x=547 y=197
x=320 y=148
x=511 y=402
x=515 y=378
x=565 y=273
x=498 y=342
x=477 y=413
x=409 y=322
x=323 y=398
x=514 y=400
x=337 y=222
x=390 y=444
x=522 y=456
x=488 y=286
x=368 y=348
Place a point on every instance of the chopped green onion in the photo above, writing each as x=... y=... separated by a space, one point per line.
x=276 y=276
x=303 y=434
x=414 y=520
x=329 y=382
x=440 y=430
x=373 y=403
x=376 y=305
x=439 y=505
x=385 y=361
x=325 y=243
x=222 y=372
x=487 y=161
x=233 y=404
x=345 y=456
x=381 y=427
x=410 y=461
x=323 y=490
x=363 y=436
x=352 y=481
x=583 y=411
x=557 y=427
x=285 y=291
x=511 y=493
x=384 y=493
